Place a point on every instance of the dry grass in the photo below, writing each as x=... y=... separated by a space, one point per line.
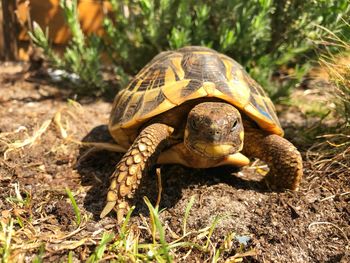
x=337 y=67
x=29 y=141
x=331 y=154
x=25 y=232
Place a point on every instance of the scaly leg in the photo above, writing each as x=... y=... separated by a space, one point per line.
x=283 y=159
x=142 y=154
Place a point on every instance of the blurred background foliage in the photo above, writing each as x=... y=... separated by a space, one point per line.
x=272 y=39
x=335 y=60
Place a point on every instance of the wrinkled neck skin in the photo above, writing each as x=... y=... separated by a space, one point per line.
x=213 y=130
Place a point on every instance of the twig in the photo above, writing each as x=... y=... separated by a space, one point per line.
x=160 y=189
x=333 y=196
x=331 y=224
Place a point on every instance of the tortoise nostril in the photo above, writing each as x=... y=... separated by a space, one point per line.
x=214 y=132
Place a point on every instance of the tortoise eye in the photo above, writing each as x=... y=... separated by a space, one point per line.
x=193 y=124
x=234 y=125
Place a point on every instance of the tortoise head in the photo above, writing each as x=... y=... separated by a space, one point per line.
x=214 y=130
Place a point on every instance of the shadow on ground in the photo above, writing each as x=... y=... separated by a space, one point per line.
x=95 y=167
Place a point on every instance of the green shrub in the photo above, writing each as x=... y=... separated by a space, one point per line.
x=81 y=59
x=262 y=35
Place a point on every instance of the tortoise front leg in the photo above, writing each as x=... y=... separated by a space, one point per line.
x=142 y=154
x=283 y=159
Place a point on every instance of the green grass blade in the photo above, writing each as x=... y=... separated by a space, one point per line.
x=5 y=247
x=157 y=225
x=100 y=249
x=75 y=206
x=123 y=229
x=187 y=212
x=70 y=257
x=211 y=230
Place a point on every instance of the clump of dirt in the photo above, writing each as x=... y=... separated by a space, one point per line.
x=311 y=225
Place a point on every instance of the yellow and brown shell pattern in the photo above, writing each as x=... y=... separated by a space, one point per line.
x=174 y=77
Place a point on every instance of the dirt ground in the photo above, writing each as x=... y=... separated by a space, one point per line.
x=311 y=225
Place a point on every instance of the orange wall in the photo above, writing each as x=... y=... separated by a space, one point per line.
x=47 y=13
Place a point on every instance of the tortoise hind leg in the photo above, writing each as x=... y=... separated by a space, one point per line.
x=142 y=154
x=283 y=159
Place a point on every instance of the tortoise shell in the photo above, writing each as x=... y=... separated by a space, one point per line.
x=175 y=77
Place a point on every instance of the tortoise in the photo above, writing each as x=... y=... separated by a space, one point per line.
x=199 y=108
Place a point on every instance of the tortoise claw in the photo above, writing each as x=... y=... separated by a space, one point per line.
x=122 y=209
x=108 y=208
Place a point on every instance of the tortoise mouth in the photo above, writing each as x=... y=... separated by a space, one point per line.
x=211 y=150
